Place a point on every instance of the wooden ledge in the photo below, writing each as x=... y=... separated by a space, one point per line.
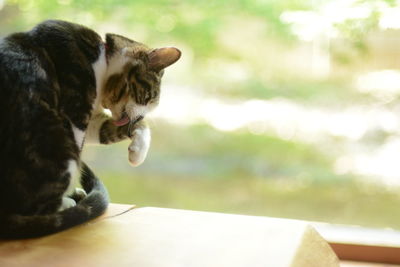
x=355 y=243
x=155 y=237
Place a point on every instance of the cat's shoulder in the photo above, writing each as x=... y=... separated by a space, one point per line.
x=54 y=27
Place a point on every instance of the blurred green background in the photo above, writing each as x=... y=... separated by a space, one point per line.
x=285 y=108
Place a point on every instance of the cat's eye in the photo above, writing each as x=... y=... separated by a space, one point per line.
x=119 y=94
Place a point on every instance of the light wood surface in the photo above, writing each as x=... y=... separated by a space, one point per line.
x=365 y=264
x=156 y=237
x=376 y=246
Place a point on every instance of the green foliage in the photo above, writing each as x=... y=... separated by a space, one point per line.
x=354 y=31
x=346 y=202
x=194 y=22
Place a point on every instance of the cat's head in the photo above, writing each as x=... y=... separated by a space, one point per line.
x=134 y=71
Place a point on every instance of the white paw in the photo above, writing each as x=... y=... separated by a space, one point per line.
x=67 y=202
x=139 y=146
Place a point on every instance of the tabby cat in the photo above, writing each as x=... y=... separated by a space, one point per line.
x=55 y=81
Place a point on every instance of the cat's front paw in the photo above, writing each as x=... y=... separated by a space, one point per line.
x=78 y=194
x=66 y=203
x=139 y=146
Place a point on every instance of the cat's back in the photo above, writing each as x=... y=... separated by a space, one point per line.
x=53 y=61
x=27 y=93
x=21 y=70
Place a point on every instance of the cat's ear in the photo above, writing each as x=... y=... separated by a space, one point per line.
x=161 y=58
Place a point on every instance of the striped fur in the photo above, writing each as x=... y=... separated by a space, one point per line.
x=55 y=81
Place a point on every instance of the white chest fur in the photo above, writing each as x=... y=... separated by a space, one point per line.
x=100 y=69
x=79 y=136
